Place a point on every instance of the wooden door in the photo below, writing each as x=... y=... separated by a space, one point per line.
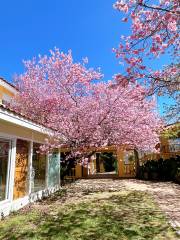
x=21 y=169
x=84 y=171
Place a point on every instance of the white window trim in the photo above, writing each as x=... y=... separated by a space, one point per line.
x=10 y=171
x=30 y=155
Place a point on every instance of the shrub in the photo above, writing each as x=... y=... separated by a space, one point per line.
x=166 y=170
x=177 y=177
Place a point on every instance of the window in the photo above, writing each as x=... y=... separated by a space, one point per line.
x=54 y=168
x=4 y=168
x=174 y=145
x=6 y=98
x=38 y=176
x=129 y=157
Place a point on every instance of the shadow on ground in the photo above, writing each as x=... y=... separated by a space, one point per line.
x=106 y=216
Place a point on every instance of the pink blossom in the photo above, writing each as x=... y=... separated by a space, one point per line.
x=155 y=27
x=84 y=113
x=172 y=26
x=125 y=19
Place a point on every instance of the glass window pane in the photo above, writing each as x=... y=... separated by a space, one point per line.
x=54 y=168
x=4 y=161
x=38 y=176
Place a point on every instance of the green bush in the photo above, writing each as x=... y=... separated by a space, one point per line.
x=165 y=170
x=177 y=177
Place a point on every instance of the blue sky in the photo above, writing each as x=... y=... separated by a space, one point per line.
x=90 y=28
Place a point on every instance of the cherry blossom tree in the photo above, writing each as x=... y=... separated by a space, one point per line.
x=84 y=111
x=154 y=34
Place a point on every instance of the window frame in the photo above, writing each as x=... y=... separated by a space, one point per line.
x=7 y=188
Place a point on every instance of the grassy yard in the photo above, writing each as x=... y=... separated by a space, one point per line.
x=101 y=216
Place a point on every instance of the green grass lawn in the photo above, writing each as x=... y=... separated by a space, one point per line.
x=104 y=216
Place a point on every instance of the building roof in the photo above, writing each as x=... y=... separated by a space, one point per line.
x=13 y=112
x=171 y=125
x=13 y=116
x=5 y=81
x=9 y=86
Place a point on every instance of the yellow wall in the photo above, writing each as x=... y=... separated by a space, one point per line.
x=120 y=156
x=4 y=90
x=78 y=171
x=124 y=170
x=92 y=164
x=101 y=166
x=164 y=153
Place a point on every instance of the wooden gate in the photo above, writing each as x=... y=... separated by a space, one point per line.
x=21 y=169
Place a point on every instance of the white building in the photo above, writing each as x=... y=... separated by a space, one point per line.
x=25 y=174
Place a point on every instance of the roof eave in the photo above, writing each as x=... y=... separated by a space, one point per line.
x=10 y=117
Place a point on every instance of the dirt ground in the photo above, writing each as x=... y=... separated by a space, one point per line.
x=165 y=194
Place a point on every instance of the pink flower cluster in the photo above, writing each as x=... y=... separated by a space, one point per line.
x=84 y=113
x=155 y=31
